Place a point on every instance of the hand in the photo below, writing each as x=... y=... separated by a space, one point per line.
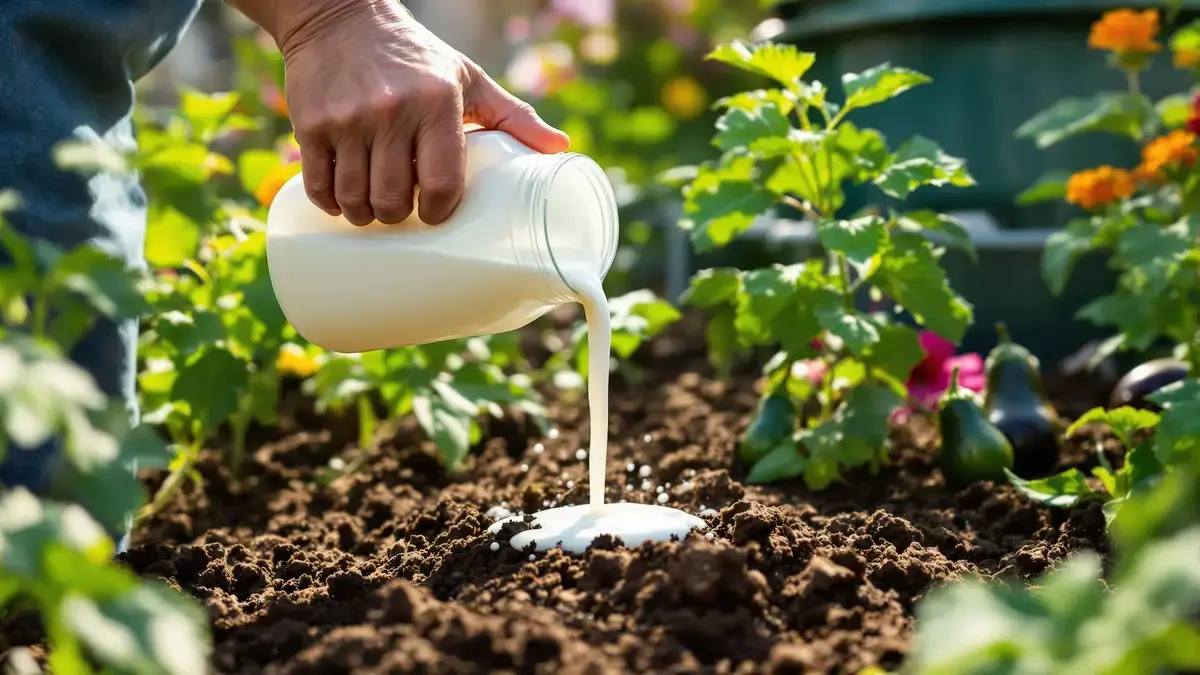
x=370 y=90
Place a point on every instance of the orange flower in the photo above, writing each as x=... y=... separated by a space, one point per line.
x=1125 y=31
x=1176 y=149
x=273 y=182
x=1099 y=187
x=684 y=98
x=1186 y=58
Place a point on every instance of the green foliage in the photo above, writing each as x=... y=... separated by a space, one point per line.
x=792 y=145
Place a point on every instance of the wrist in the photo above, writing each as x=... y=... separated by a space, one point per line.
x=294 y=23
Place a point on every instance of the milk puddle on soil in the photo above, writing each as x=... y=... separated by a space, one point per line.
x=575 y=527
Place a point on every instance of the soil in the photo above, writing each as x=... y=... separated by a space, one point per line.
x=392 y=570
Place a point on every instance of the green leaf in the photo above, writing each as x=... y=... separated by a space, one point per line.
x=1124 y=422
x=738 y=128
x=859 y=240
x=765 y=293
x=1141 y=469
x=751 y=101
x=716 y=217
x=911 y=274
x=1152 y=254
x=879 y=84
x=205 y=112
x=1063 y=249
x=254 y=165
x=855 y=330
x=1062 y=490
x=854 y=436
x=713 y=287
x=897 y=351
x=948 y=227
x=184 y=334
x=1132 y=314
x=1178 y=432
x=782 y=463
x=921 y=162
x=1120 y=113
x=209 y=385
x=783 y=63
x=1174 y=111
x=450 y=429
x=1049 y=188
x=171 y=237
x=720 y=334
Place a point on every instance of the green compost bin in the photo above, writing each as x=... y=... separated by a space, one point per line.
x=994 y=64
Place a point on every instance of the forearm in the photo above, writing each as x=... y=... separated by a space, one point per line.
x=292 y=22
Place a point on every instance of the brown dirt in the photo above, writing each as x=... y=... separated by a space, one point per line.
x=391 y=570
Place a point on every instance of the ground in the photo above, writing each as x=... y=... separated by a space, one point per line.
x=392 y=569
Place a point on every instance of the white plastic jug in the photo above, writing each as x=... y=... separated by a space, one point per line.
x=526 y=224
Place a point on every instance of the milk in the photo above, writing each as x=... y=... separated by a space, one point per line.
x=575 y=527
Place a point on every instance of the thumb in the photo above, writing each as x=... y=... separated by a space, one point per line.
x=490 y=106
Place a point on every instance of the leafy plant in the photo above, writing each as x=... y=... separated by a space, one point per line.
x=1145 y=219
x=634 y=318
x=1175 y=436
x=793 y=145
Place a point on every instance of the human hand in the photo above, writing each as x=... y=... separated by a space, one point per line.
x=378 y=104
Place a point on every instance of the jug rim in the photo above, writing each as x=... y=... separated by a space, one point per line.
x=603 y=192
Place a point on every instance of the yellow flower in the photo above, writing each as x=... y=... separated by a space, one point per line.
x=1099 y=187
x=1186 y=58
x=1176 y=149
x=684 y=98
x=293 y=360
x=274 y=180
x=1125 y=31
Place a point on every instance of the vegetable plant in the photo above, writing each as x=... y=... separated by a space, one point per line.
x=972 y=448
x=792 y=145
x=1145 y=217
x=1016 y=403
x=635 y=317
x=1156 y=443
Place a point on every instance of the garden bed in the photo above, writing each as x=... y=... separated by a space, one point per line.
x=391 y=569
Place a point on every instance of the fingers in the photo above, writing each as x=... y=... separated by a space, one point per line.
x=351 y=185
x=441 y=164
x=392 y=177
x=489 y=105
x=316 y=164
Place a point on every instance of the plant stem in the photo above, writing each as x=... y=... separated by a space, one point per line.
x=843 y=272
x=41 y=310
x=802 y=206
x=173 y=481
x=827 y=392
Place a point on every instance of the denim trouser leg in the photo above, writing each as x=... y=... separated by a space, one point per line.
x=109 y=353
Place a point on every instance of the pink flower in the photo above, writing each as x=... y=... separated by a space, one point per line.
x=930 y=378
x=587 y=13
x=518 y=29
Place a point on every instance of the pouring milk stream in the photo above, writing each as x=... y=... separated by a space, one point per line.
x=531 y=232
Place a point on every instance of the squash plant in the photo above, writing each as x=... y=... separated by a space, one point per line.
x=793 y=145
x=1145 y=218
x=55 y=555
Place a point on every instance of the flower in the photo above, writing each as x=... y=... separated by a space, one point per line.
x=1193 y=123
x=589 y=13
x=684 y=98
x=273 y=182
x=541 y=69
x=1099 y=187
x=274 y=98
x=929 y=379
x=1175 y=150
x=293 y=360
x=1126 y=32
x=1186 y=58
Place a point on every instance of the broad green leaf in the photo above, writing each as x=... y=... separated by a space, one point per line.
x=184 y=334
x=1136 y=317
x=782 y=463
x=751 y=101
x=254 y=165
x=1178 y=432
x=642 y=312
x=1153 y=254
x=1051 y=187
x=171 y=237
x=716 y=217
x=911 y=274
x=206 y=112
x=209 y=384
x=1062 y=490
x=1120 y=113
x=1063 y=249
x=860 y=154
x=921 y=162
x=1176 y=393
x=720 y=334
x=1174 y=111
x=1142 y=469
x=859 y=240
x=738 y=128
x=878 y=84
x=856 y=330
x=897 y=352
x=1124 y=422
x=783 y=63
x=948 y=227
x=449 y=429
x=713 y=287
x=765 y=293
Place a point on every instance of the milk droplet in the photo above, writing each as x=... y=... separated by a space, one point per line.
x=495 y=546
x=498 y=513
x=646 y=485
x=581 y=454
x=662 y=498
x=708 y=536
x=630 y=467
x=667 y=486
x=707 y=513
x=629 y=487
x=647 y=438
x=687 y=486
x=337 y=463
x=524 y=468
x=703 y=507
x=659 y=489
x=538 y=448
x=533 y=557
x=691 y=473
x=553 y=433
x=644 y=471
x=570 y=484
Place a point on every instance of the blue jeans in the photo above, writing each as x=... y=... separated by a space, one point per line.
x=67 y=69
